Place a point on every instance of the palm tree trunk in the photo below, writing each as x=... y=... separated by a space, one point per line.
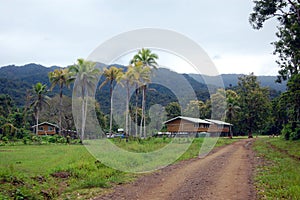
x=111 y=109
x=82 y=119
x=142 y=117
x=145 y=111
x=60 y=109
x=136 y=112
x=127 y=111
x=37 y=122
x=84 y=112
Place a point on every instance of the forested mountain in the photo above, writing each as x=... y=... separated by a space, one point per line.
x=232 y=80
x=16 y=80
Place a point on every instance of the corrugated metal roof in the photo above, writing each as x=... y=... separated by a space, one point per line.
x=46 y=123
x=218 y=122
x=190 y=119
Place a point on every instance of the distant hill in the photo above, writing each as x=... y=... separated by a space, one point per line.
x=232 y=80
x=16 y=80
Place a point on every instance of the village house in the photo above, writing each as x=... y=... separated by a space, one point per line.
x=191 y=125
x=46 y=128
x=218 y=126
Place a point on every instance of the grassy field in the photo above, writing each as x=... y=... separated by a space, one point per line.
x=278 y=175
x=68 y=171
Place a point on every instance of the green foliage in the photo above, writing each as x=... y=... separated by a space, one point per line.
x=197 y=109
x=173 y=109
x=254 y=103
x=291 y=131
x=288 y=45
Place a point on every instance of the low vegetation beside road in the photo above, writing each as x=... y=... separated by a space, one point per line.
x=68 y=171
x=278 y=176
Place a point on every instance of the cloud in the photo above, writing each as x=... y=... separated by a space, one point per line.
x=58 y=32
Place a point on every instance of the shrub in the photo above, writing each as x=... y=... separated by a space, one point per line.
x=291 y=131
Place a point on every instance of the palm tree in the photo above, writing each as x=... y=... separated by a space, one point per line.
x=86 y=76
x=141 y=78
x=129 y=78
x=147 y=59
x=39 y=100
x=112 y=74
x=60 y=77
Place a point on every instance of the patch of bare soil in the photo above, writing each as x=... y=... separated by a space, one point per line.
x=62 y=175
x=224 y=174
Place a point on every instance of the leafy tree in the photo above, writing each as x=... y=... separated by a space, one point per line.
x=232 y=107
x=287 y=47
x=287 y=12
x=146 y=59
x=60 y=77
x=112 y=74
x=39 y=99
x=173 y=109
x=102 y=119
x=293 y=97
x=291 y=103
x=86 y=76
x=254 y=103
x=6 y=105
x=197 y=109
x=218 y=104
x=51 y=113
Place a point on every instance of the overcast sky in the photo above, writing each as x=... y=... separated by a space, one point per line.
x=57 y=32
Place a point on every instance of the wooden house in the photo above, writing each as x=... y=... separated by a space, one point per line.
x=191 y=125
x=218 y=126
x=187 y=125
x=46 y=128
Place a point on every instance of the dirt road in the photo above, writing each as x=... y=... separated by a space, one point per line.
x=226 y=174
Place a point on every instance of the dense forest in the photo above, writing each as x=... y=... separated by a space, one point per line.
x=18 y=84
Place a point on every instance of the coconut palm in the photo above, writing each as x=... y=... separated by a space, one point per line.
x=129 y=79
x=142 y=78
x=60 y=77
x=39 y=99
x=112 y=74
x=86 y=76
x=146 y=59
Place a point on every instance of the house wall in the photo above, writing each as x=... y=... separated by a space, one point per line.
x=46 y=130
x=180 y=125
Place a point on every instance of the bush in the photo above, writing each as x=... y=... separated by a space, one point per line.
x=5 y=139
x=291 y=131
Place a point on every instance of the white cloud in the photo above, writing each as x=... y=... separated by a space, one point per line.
x=58 y=32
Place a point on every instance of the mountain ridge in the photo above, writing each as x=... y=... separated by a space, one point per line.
x=15 y=80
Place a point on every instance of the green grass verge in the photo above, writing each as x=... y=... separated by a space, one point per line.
x=57 y=171
x=278 y=174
